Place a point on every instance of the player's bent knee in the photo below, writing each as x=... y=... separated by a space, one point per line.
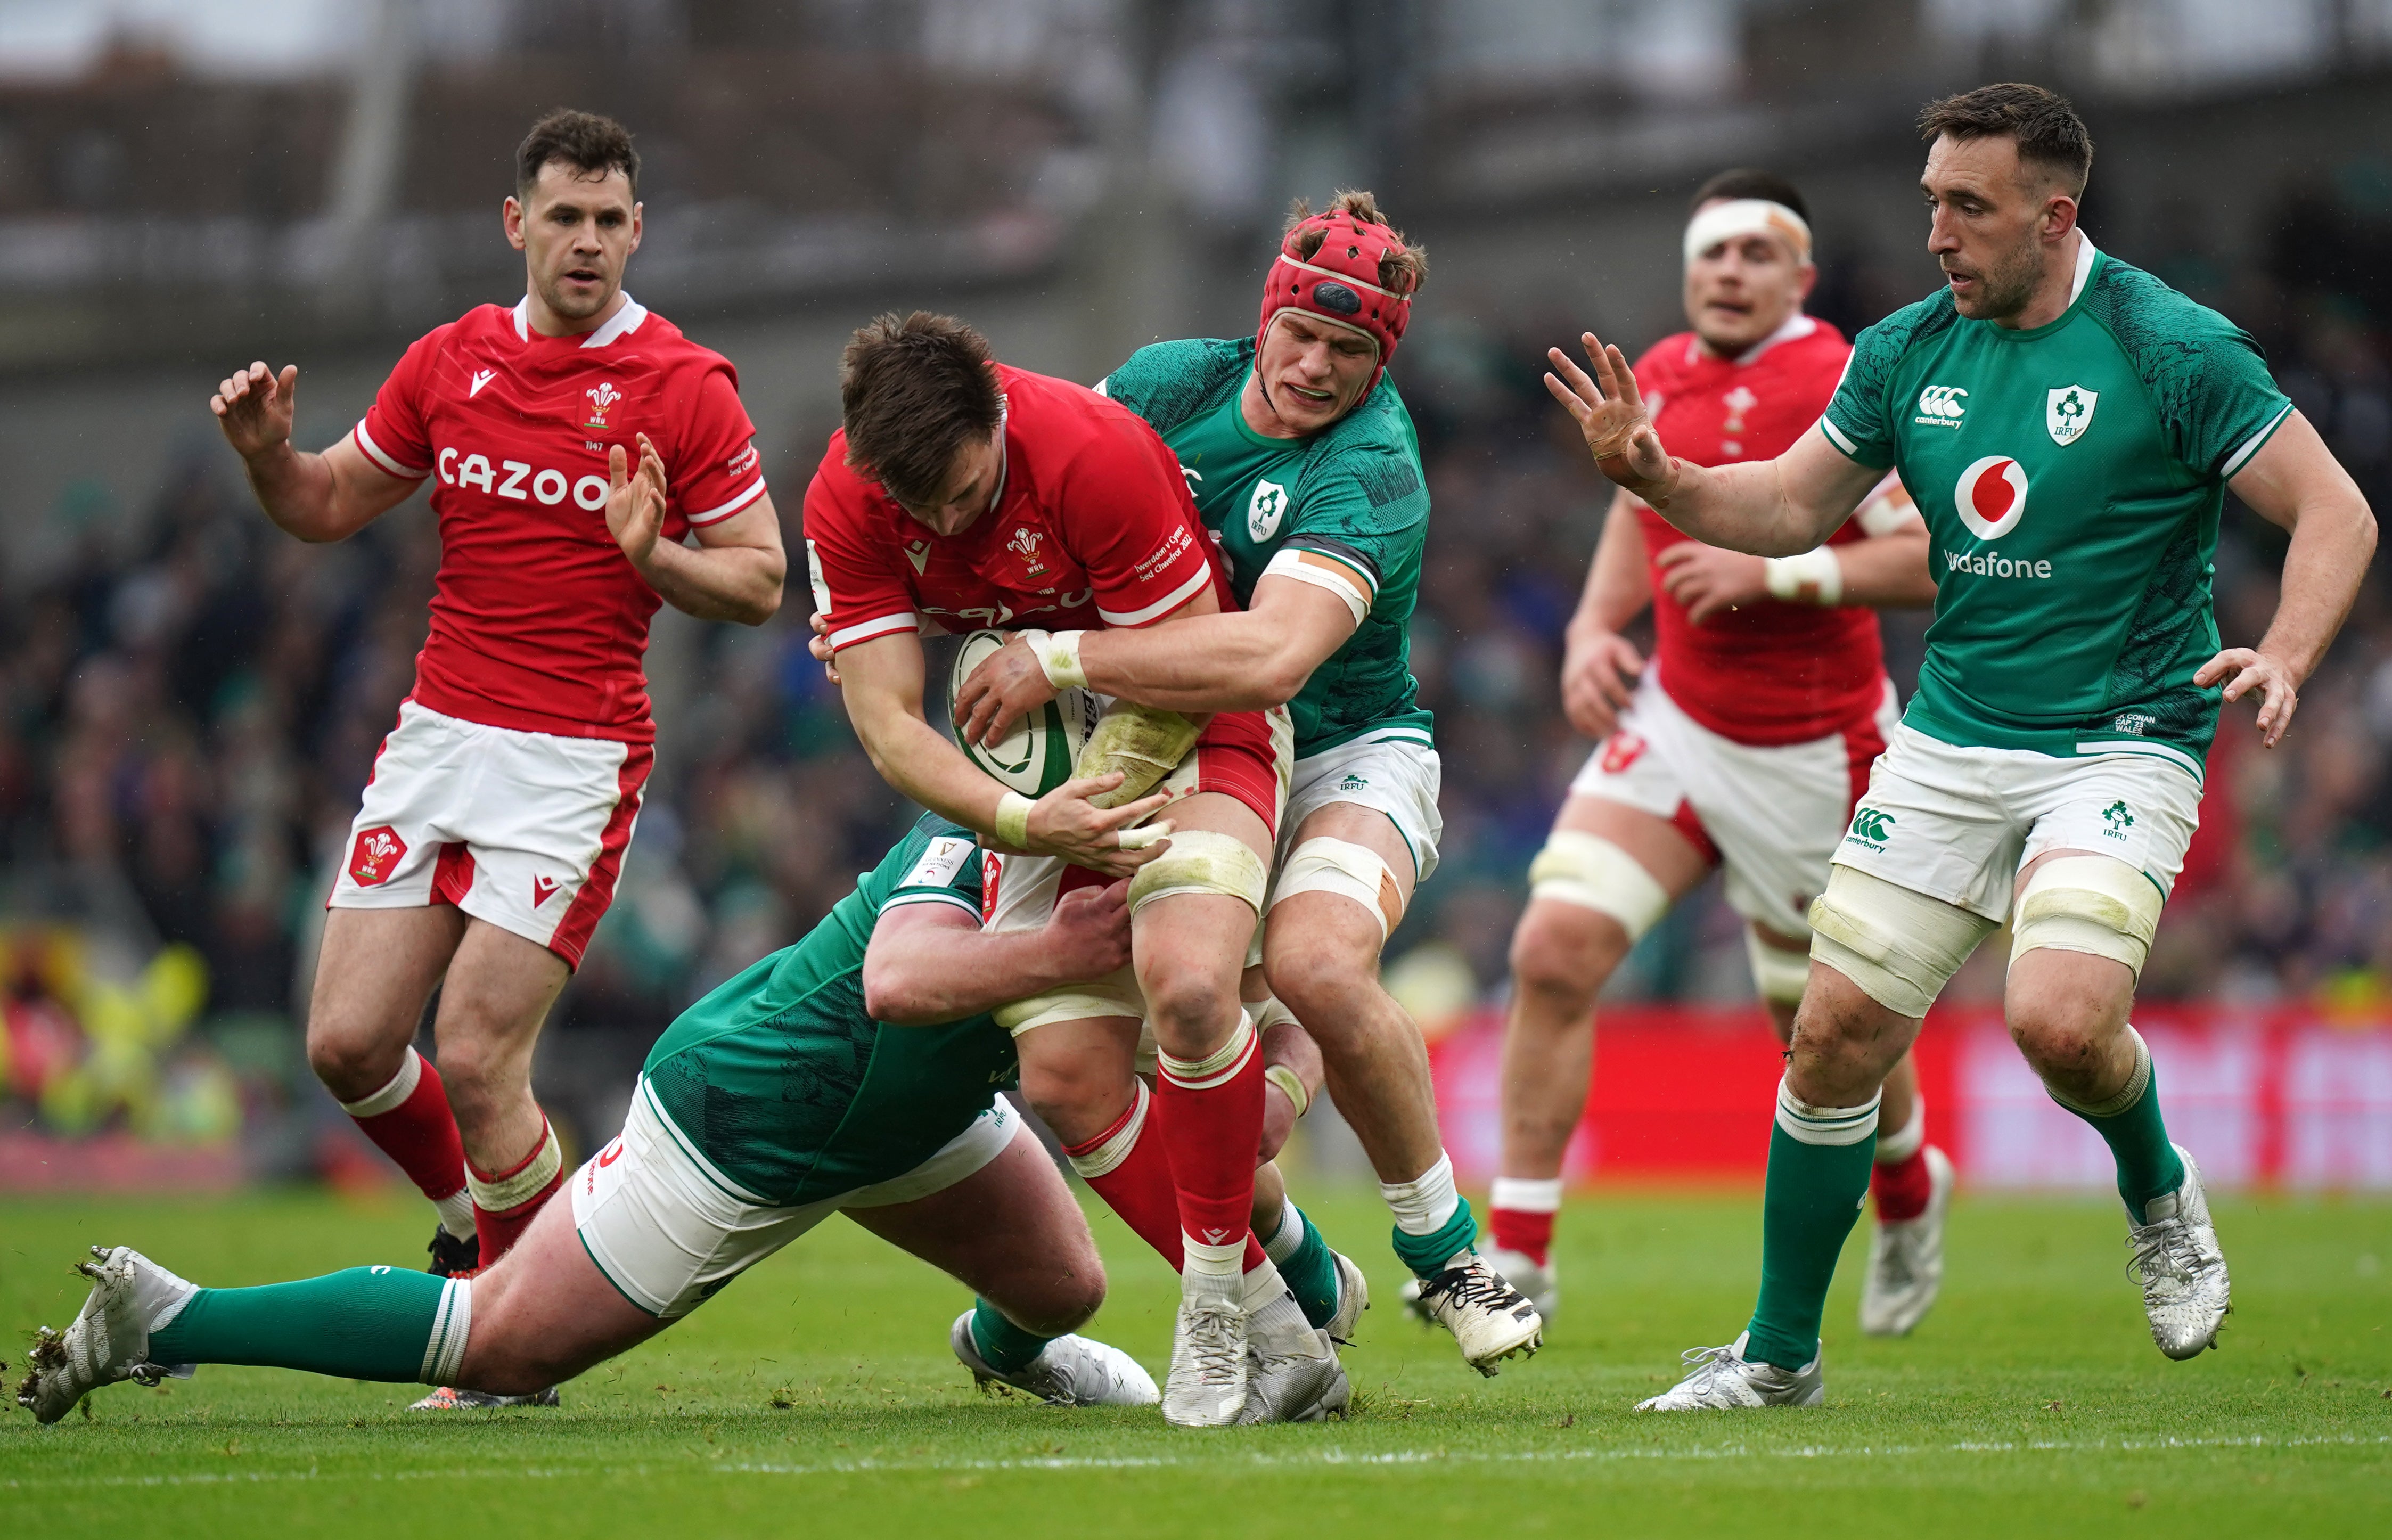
x=1567 y=950
x=2094 y=903
x=1899 y=947
x=1346 y=870
x=1591 y=872
x=1201 y=861
x=1779 y=975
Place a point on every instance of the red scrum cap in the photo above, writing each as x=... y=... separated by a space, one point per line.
x=1339 y=283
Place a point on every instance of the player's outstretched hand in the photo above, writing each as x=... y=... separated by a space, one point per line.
x=1065 y=823
x=1089 y=933
x=1008 y=684
x=1599 y=675
x=2248 y=669
x=819 y=645
x=1611 y=416
x=1708 y=581
x=253 y=407
x=635 y=502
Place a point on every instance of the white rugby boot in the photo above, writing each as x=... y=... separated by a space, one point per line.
x=1539 y=1282
x=2185 y=1293
x=131 y=1297
x=1069 y=1371
x=1905 y=1264
x=451 y=1398
x=1723 y=1379
x=1353 y=1299
x=1490 y=1320
x=1292 y=1369
x=1206 y=1387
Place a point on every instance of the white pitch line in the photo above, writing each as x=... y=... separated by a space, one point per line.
x=1330 y=1456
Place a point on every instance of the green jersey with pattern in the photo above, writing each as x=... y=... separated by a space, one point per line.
x=791 y=1089
x=2071 y=475
x=1346 y=509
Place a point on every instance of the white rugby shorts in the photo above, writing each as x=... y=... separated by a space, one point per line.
x=1399 y=775
x=525 y=830
x=669 y=1230
x=1770 y=815
x=1958 y=823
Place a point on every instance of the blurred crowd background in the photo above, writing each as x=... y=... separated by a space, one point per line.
x=190 y=701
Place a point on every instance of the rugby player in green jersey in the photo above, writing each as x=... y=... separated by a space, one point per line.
x=2068 y=425
x=1305 y=468
x=856 y=1072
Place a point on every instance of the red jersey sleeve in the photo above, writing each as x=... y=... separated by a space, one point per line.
x=717 y=471
x=857 y=590
x=392 y=433
x=1130 y=522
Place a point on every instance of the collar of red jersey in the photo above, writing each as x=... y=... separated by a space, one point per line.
x=622 y=323
x=1798 y=325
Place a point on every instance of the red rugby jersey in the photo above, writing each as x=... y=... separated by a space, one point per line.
x=540 y=622
x=1769 y=673
x=1092 y=527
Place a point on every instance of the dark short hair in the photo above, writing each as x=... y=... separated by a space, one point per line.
x=913 y=390
x=588 y=143
x=2043 y=125
x=1751 y=182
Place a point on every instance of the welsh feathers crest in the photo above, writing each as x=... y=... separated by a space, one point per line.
x=603 y=395
x=2068 y=411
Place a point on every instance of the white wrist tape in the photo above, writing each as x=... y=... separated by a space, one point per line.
x=1059 y=655
x=1814 y=578
x=1013 y=819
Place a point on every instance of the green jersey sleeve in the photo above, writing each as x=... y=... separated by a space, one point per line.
x=1167 y=383
x=2208 y=381
x=945 y=869
x=1862 y=418
x=1362 y=520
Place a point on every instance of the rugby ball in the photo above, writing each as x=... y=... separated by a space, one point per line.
x=1038 y=754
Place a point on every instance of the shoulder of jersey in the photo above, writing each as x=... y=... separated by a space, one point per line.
x=2125 y=291
x=1665 y=359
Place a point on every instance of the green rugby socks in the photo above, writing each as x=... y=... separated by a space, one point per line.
x=1002 y=1345
x=1304 y=1263
x=364 y=1323
x=2130 y=1122
x=1432 y=1222
x=1819 y=1161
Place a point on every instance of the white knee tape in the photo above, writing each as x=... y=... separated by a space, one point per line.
x=1593 y=873
x=1115 y=995
x=1201 y=861
x=2095 y=904
x=1901 y=947
x=1349 y=870
x=1779 y=974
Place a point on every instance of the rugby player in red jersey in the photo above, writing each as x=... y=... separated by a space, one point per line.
x=494 y=827
x=959 y=494
x=1743 y=742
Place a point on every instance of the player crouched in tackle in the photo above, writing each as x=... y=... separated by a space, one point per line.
x=884 y=1011
x=492 y=833
x=1743 y=742
x=1304 y=468
x=2069 y=427
x=960 y=493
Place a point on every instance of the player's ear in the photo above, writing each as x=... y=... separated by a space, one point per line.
x=511 y=216
x=636 y=225
x=1806 y=278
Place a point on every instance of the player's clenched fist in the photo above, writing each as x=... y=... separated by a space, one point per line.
x=1598 y=678
x=1612 y=418
x=1089 y=933
x=253 y=407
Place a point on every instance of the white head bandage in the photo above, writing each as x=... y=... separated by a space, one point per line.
x=1742 y=217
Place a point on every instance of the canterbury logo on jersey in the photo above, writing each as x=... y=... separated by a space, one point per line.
x=518 y=479
x=1940 y=406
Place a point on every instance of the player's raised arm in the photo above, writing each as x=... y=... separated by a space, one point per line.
x=1886 y=569
x=2296 y=483
x=1769 y=508
x=316 y=497
x=737 y=569
x=881 y=682
x=929 y=963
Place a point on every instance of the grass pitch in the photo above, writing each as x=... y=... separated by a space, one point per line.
x=816 y=1396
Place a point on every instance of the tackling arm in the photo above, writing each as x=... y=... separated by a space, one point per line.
x=2296 y=483
x=1779 y=507
x=929 y=963
x=316 y=497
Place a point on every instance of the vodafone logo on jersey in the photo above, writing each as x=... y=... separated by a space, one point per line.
x=1991 y=496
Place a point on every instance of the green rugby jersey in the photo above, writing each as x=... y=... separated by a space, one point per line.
x=791 y=1090
x=1353 y=494
x=2071 y=476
